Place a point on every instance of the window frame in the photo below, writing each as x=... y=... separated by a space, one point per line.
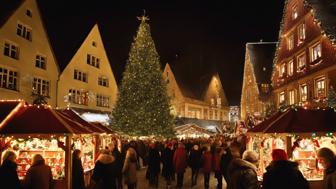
x=290 y=67
x=312 y=50
x=301 y=36
x=316 y=85
x=302 y=95
x=298 y=67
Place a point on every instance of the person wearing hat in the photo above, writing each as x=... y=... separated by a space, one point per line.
x=243 y=172
x=282 y=173
x=328 y=160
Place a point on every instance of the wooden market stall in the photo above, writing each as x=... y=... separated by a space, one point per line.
x=192 y=131
x=301 y=132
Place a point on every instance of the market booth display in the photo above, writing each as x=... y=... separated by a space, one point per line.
x=192 y=131
x=301 y=133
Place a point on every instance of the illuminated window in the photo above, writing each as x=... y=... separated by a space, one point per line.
x=301 y=62
x=78 y=97
x=212 y=102
x=290 y=67
x=290 y=42
x=265 y=87
x=102 y=101
x=315 y=52
x=282 y=70
x=303 y=92
x=295 y=12
x=301 y=33
x=291 y=97
x=41 y=87
x=219 y=102
x=8 y=79
x=282 y=97
x=320 y=91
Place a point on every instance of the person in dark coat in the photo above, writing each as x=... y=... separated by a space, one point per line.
x=167 y=161
x=216 y=166
x=77 y=171
x=207 y=166
x=282 y=173
x=39 y=175
x=195 y=163
x=328 y=161
x=8 y=175
x=180 y=163
x=154 y=165
x=119 y=162
x=104 y=172
x=243 y=172
x=225 y=161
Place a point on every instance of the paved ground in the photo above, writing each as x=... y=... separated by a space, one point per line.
x=143 y=183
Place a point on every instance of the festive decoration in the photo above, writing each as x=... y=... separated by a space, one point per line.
x=331 y=97
x=143 y=107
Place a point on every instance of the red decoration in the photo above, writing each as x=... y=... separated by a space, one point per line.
x=60 y=144
x=316 y=143
x=4 y=145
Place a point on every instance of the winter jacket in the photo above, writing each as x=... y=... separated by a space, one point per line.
x=154 y=161
x=207 y=162
x=77 y=174
x=195 y=159
x=180 y=160
x=243 y=175
x=130 y=171
x=216 y=162
x=38 y=176
x=330 y=176
x=225 y=161
x=284 y=174
x=8 y=175
x=104 y=172
x=167 y=161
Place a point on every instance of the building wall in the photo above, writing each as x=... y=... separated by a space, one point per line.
x=215 y=94
x=94 y=46
x=24 y=64
x=312 y=70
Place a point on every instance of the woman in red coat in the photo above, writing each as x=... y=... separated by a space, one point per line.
x=180 y=163
x=207 y=166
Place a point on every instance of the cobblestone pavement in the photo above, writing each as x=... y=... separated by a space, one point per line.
x=143 y=183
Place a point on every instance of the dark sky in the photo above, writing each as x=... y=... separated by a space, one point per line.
x=206 y=35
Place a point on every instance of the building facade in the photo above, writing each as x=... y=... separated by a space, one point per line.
x=305 y=61
x=28 y=68
x=87 y=83
x=211 y=104
x=256 y=95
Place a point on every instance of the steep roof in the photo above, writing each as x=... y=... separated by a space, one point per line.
x=7 y=8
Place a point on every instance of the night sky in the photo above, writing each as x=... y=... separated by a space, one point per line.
x=200 y=36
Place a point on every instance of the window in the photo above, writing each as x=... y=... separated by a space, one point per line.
x=40 y=62
x=282 y=70
x=290 y=42
x=11 y=50
x=295 y=12
x=291 y=97
x=210 y=114
x=320 y=91
x=216 y=114
x=219 y=102
x=24 y=32
x=301 y=62
x=265 y=87
x=290 y=67
x=301 y=33
x=212 y=101
x=315 y=52
x=303 y=92
x=78 y=97
x=93 y=61
x=282 y=97
x=29 y=13
x=81 y=76
x=8 y=79
x=103 y=81
x=41 y=86
x=94 y=44
x=103 y=101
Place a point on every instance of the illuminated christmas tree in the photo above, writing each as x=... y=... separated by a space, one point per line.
x=143 y=108
x=331 y=98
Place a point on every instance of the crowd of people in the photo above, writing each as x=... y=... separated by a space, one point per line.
x=117 y=165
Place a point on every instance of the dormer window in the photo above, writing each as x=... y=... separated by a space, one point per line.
x=295 y=12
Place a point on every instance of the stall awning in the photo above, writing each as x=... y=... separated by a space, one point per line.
x=105 y=128
x=191 y=128
x=299 y=121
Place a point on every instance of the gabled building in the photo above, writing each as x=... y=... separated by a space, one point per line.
x=28 y=69
x=256 y=90
x=87 y=83
x=305 y=60
x=206 y=101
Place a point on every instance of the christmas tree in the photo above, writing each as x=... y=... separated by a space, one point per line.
x=143 y=108
x=331 y=98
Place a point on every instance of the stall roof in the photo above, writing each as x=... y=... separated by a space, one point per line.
x=259 y=128
x=191 y=127
x=300 y=120
x=105 y=128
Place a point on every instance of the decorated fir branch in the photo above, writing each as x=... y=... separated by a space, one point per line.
x=143 y=108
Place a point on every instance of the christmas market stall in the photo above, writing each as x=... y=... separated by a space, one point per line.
x=192 y=131
x=301 y=132
x=30 y=129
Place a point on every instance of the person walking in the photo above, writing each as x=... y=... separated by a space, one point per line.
x=130 y=168
x=328 y=161
x=225 y=161
x=217 y=156
x=282 y=173
x=8 y=175
x=206 y=166
x=180 y=163
x=243 y=172
x=167 y=161
x=104 y=172
x=77 y=170
x=39 y=175
x=154 y=165
x=119 y=162
x=195 y=163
